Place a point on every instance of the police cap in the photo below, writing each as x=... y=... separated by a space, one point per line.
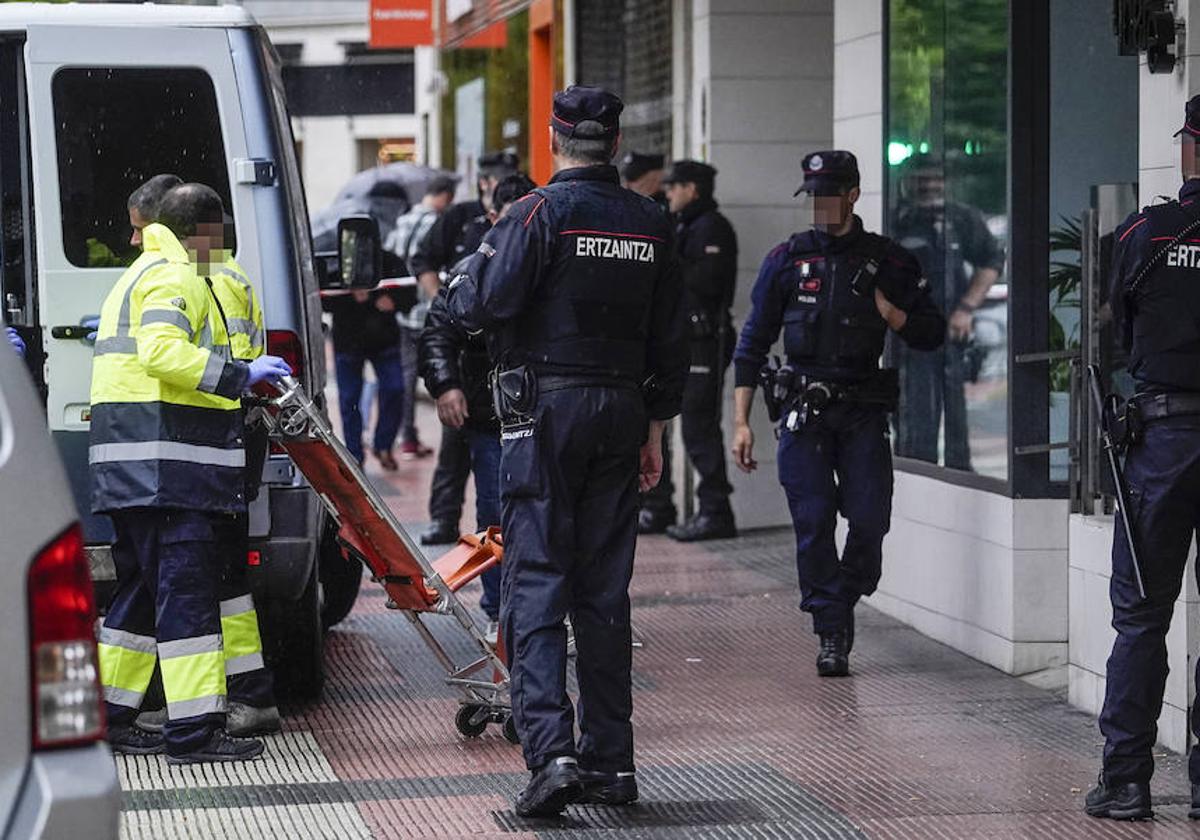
x=635 y=165
x=691 y=172
x=829 y=172
x=589 y=113
x=1191 y=118
x=499 y=163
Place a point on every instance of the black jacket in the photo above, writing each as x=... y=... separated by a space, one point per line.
x=707 y=249
x=449 y=357
x=361 y=327
x=455 y=235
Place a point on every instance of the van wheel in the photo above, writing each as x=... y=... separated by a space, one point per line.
x=341 y=578
x=294 y=644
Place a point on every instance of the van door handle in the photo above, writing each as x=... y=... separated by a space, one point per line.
x=72 y=331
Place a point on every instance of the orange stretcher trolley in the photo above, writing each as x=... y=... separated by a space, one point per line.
x=369 y=531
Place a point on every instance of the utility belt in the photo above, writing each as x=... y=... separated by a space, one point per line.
x=1127 y=422
x=798 y=398
x=515 y=390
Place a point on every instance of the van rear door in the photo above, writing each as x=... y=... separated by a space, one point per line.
x=109 y=107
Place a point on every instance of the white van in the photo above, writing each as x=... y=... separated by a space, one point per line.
x=94 y=99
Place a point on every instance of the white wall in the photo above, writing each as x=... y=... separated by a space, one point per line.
x=858 y=97
x=760 y=90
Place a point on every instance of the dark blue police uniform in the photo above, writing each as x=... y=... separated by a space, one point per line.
x=1162 y=470
x=580 y=289
x=837 y=458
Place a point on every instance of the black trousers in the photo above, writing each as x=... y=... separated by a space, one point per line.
x=450 y=477
x=568 y=486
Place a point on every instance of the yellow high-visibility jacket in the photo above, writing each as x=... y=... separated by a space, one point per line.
x=166 y=421
x=243 y=313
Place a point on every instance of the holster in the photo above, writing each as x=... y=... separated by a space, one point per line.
x=514 y=394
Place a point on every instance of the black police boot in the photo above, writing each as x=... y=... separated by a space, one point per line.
x=601 y=788
x=440 y=533
x=654 y=522
x=133 y=740
x=833 y=660
x=221 y=747
x=704 y=526
x=1194 y=813
x=1129 y=801
x=554 y=786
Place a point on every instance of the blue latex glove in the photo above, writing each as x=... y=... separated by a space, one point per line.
x=16 y=341
x=92 y=322
x=267 y=369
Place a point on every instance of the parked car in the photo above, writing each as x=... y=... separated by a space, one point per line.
x=98 y=98
x=57 y=777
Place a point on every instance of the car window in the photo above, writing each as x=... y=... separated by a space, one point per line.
x=117 y=127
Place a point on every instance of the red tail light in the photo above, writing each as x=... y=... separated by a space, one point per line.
x=286 y=345
x=64 y=675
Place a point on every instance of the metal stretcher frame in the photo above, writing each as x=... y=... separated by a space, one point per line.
x=370 y=531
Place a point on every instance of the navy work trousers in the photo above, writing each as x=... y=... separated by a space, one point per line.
x=837 y=463
x=485 y=466
x=568 y=484
x=1163 y=473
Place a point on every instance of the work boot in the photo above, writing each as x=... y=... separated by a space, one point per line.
x=654 y=522
x=221 y=747
x=833 y=660
x=601 y=788
x=152 y=721
x=440 y=533
x=244 y=721
x=1194 y=813
x=704 y=526
x=1129 y=801
x=554 y=786
x=132 y=740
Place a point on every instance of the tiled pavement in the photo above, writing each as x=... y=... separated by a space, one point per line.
x=736 y=735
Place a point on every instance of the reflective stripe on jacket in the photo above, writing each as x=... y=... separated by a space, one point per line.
x=166 y=422
x=243 y=314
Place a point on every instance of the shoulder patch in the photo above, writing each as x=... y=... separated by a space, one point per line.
x=179 y=303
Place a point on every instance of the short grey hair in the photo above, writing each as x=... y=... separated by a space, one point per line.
x=147 y=199
x=585 y=149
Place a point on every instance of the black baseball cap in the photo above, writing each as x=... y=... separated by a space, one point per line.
x=499 y=163
x=634 y=165
x=829 y=172
x=589 y=113
x=1191 y=118
x=691 y=172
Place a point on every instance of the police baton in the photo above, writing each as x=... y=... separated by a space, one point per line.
x=1105 y=411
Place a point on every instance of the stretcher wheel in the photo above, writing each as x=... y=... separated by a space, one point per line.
x=510 y=730
x=471 y=721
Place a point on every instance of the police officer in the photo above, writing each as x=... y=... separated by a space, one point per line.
x=1156 y=282
x=455 y=235
x=707 y=250
x=583 y=300
x=643 y=174
x=835 y=291
x=250 y=688
x=167 y=459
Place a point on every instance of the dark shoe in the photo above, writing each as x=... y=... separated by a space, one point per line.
x=245 y=721
x=440 y=533
x=1194 y=813
x=554 y=786
x=386 y=459
x=131 y=740
x=1129 y=801
x=152 y=721
x=221 y=747
x=834 y=657
x=654 y=522
x=608 y=788
x=704 y=526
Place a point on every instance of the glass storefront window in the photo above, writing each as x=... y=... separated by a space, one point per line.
x=947 y=202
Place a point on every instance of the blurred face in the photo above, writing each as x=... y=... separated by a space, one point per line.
x=929 y=191
x=439 y=202
x=1188 y=150
x=831 y=211
x=137 y=223
x=649 y=184
x=208 y=239
x=487 y=184
x=681 y=195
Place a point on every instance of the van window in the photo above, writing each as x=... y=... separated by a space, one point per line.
x=117 y=127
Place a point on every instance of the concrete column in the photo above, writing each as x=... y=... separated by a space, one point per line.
x=760 y=81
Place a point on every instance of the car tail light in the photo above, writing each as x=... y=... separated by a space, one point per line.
x=67 y=707
x=286 y=345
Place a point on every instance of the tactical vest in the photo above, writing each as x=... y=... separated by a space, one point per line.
x=1164 y=326
x=828 y=330
x=591 y=313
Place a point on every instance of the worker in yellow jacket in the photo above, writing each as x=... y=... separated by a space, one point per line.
x=168 y=456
